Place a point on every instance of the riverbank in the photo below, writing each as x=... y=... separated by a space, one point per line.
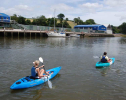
x=119 y=35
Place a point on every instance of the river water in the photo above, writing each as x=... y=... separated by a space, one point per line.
x=78 y=79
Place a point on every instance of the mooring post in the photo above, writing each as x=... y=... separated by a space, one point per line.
x=11 y=34
x=18 y=34
x=4 y=32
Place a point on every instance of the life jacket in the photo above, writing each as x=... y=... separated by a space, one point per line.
x=103 y=59
x=33 y=72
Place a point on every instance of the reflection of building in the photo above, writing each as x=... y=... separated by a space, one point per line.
x=4 y=20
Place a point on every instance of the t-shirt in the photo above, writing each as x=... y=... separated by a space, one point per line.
x=106 y=57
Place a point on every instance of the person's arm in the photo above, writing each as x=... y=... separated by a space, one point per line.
x=100 y=58
x=107 y=58
x=41 y=66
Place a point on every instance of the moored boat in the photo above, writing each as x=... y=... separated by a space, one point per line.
x=56 y=34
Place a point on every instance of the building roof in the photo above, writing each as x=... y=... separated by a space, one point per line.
x=88 y=25
x=4 y=15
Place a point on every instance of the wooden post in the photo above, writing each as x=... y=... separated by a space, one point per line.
x=4 y=32
x=11 y=34
x=30 y=35
x=18 y=34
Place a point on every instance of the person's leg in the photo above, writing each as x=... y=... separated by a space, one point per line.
x=41 y=72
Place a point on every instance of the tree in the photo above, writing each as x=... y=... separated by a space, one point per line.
x=122 y=28
x=28 y=22
x=67 y=19
x=76 y=20
x=60 y=17
x=14 y=17
x=41 y=20
x=21 y=20
x=90 y=21
x=50 y=22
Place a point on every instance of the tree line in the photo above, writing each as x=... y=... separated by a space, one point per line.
x=119 y=29
x=43 y=21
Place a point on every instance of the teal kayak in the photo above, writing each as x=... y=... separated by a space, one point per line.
x=100 y=64
x=28 y=81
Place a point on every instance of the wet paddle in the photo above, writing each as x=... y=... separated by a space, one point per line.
x=49 y=82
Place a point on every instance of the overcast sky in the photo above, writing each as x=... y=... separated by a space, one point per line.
x=102 y=11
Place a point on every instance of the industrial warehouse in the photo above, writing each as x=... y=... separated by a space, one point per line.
x=4 y=20
x=95 y=28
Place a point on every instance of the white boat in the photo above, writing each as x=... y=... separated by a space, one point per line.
x=74 y=35
x=56 y=33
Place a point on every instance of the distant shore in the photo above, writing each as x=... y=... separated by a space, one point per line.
x=120 y=35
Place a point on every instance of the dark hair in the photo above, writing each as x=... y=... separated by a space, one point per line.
x=105 y=53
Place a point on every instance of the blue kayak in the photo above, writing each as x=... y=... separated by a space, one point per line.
x=100 y=64
x=28 y=81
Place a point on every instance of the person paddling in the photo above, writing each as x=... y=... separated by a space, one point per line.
x=104 y=58
x=36 y=72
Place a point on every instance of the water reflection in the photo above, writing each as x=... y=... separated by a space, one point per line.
x=78 y=76
x=104 y=70
x=122 y=40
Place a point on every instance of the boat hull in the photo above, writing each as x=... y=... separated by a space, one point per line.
x=53 y=34
x=100 y=64
x=27 y=82
x=74 y=35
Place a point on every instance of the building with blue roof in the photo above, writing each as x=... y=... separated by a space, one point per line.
x=4 y=20
x=92 y=28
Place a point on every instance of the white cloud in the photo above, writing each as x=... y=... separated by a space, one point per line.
x=19 y=10
x=115 y=3
x=91 y=7
x=102 y=11
x=62 y=7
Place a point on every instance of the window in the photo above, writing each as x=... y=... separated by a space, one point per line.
x=85 y=27
x=81 y=27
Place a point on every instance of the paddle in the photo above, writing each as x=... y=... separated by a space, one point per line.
x=96 y=57
x=49 y=82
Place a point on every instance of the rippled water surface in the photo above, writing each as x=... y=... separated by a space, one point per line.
x=78 y=79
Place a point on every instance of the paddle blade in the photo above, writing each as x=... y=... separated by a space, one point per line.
x=40 y=59
x=49 y=84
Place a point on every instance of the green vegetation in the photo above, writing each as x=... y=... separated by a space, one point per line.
x=119 y=29
x=43 y=21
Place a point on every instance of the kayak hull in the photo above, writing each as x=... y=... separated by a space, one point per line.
x=27 y=82
x=100 y=64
